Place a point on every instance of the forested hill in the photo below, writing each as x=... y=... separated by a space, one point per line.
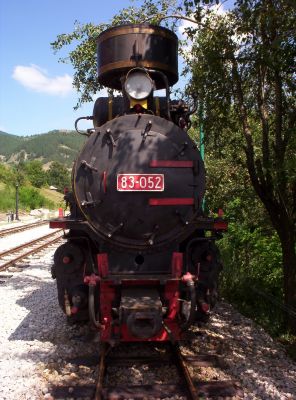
x=57 y=145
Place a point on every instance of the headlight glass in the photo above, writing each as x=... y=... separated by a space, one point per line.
x=138 y=85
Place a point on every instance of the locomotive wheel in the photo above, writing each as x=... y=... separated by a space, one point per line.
x=68 y=259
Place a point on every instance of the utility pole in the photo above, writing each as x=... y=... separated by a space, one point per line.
x=16 y=201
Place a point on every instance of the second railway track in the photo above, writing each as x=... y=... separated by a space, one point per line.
x=18 y=253
x=21 y=228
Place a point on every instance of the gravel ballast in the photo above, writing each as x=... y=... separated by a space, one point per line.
x=36 y=343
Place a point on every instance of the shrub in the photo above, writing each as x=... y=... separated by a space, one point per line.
x=30 y=198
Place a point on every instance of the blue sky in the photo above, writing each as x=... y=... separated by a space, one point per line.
x=36 y=93
x=27 y=62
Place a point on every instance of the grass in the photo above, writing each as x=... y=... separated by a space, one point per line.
x=52 y=195
x=7 y=198
x=29 y=198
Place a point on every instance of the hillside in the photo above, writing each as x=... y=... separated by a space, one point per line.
x=57 y=145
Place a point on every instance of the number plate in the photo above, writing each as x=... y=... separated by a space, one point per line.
x=140 y=182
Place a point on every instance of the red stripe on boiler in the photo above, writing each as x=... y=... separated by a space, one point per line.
x=171 y=164
x=171 y=201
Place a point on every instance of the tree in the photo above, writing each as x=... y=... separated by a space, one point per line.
x=18 y=175
x=242 y=73
x=83 y=56
x=6 y=174
x=58 y=176
x=35 y=173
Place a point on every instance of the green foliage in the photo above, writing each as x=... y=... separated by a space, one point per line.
x=30 y=198
x=253 y=276
x=54 y=196
x=18 y=175
x=8 y=143
x=35 y=173
x=250 y=250
x=6 y=174
x=7 y=198
x=241 y=74
x=52 y=146
x=84 y=36
x=58 y=176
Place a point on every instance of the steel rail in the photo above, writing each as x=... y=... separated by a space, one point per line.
x=181 y=365
x=14 y=249
x=35 y=250
x=176 y=358
x=4 y=232
x=101 y=374
x=188 y=386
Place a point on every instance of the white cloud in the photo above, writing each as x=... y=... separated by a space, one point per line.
x=185 y=24
x=37 y=79
x=217 y=9
x=187 y=43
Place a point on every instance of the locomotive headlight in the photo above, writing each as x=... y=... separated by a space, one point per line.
x=138 y=84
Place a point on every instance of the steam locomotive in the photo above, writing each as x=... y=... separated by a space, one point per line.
x=140 y=259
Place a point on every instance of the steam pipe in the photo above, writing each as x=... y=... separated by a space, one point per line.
x=167 y=91
x=76 y=125
x=91 y=281
x=91 y=307
x=190 y=284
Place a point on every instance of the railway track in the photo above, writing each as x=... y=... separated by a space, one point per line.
x=183 y=384
x=15 y=254
x=180 y=383
x=15 y=229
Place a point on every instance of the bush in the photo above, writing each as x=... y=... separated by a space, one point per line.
x=7 y=199
x=30 y=198
x=252 y=277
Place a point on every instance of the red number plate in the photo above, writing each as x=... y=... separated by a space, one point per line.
x=140 y=182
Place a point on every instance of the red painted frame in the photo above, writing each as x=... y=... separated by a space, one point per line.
x=107 y=290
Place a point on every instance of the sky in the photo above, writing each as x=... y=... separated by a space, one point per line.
x=36 y=93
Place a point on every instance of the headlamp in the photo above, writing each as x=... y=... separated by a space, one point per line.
x=138 y=84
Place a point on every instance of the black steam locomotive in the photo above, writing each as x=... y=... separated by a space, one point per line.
x=140 y=259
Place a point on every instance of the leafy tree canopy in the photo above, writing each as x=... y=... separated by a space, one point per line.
x=35 y=173
x=242 y=71
x=83 y=55
x=58 y=176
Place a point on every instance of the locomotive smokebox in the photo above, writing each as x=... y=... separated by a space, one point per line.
x=128 y=46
